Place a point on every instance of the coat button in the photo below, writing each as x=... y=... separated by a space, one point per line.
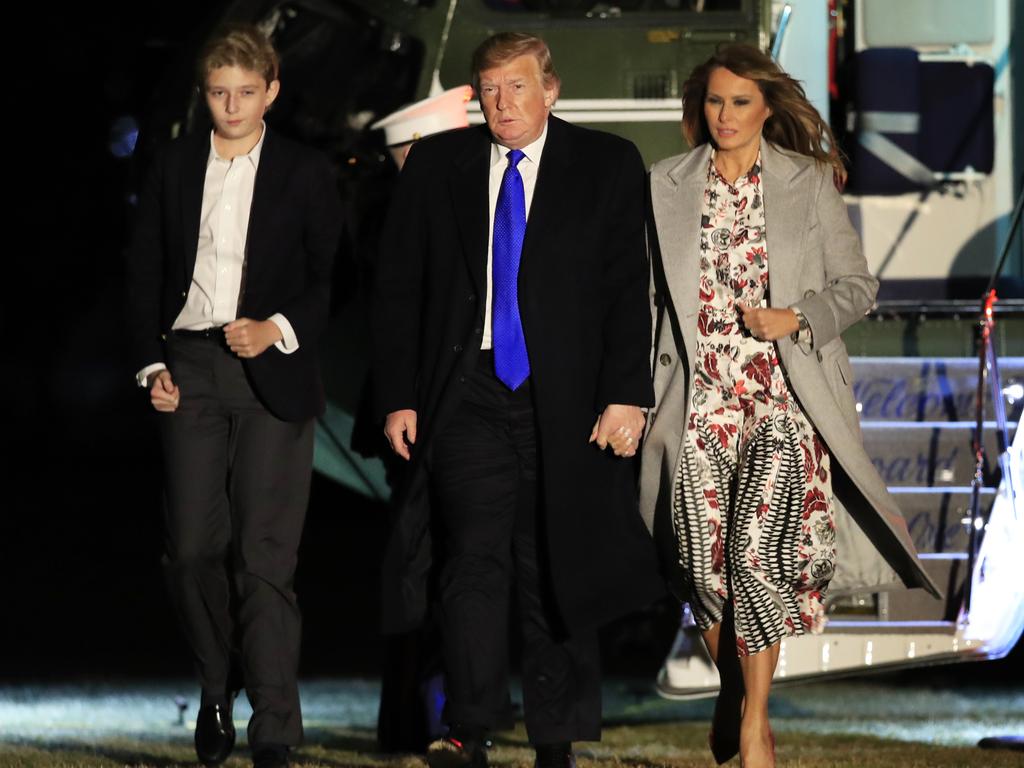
x=471 y=297
x=808 y=293
x=457 y=348
x=819 y=356
x=462 y=379
x=478 y=331
x=665 y=359
x=184 y=295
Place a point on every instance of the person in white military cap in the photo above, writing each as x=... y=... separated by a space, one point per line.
x=436 y=114
x=409 y=716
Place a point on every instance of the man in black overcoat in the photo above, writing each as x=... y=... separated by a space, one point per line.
x=512 y=339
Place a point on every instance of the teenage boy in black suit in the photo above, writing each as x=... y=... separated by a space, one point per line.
x=228 y=279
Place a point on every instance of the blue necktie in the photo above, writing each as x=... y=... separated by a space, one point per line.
x=511 y=364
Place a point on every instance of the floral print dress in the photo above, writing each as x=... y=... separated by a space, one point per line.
x=753 y=513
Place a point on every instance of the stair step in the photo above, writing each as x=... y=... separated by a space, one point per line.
x=929 y=453
x=931 y=389
x=845 y=627
x=948 y=572
x=935 y=516
x=906 y=606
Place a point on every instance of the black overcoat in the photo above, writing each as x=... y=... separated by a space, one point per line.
x=583 y=301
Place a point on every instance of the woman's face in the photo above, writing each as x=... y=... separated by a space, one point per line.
x=735 y=110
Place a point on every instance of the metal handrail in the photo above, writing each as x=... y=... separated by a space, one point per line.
x=988 y=371
x=787 y=11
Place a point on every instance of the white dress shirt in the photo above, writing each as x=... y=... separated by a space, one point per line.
x=213 y=296
x=528 y=168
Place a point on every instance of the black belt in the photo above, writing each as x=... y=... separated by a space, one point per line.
x=215 y=333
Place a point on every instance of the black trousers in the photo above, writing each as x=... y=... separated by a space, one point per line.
x=236 y=490
x=484 y=472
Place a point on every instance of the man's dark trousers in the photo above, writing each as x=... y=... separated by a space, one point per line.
x=236 y=490
x=484 y=466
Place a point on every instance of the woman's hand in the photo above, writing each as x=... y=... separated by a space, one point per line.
x=620 y=426
x=768 y=324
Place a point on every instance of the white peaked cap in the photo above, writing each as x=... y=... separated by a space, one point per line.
x=438 y=113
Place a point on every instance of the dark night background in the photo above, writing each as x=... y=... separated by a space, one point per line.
x=80 y=543
x=80 y=538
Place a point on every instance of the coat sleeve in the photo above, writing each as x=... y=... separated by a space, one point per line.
x=144 y=269
x=850 y=288
x=397 y=293
x=308 y=310
x=625 y=376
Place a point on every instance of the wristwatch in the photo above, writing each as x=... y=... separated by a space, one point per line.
x=804 y=326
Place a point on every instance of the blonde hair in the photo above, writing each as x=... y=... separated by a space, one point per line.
x=238 y=45
x=503 y=47
x=794 y=123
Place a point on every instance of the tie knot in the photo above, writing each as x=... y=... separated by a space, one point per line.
x=514 y=156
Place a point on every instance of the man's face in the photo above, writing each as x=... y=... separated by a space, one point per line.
x=238 y=99
x=515 y=101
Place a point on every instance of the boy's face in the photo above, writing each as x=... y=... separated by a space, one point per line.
x=237 y=99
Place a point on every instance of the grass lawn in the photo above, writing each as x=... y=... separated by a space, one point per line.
x=671 y=745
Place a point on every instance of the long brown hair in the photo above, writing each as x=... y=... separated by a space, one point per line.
x=794 y=123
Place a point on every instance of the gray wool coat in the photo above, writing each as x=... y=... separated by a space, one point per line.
x=815 y=264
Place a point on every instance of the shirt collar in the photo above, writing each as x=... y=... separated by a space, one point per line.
x=531 y=151
x=253 y=155
x=753 y=176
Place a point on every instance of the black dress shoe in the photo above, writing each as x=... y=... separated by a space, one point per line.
x=461 y=748
x=555 y=756
x=270 y=756
x=215 y=733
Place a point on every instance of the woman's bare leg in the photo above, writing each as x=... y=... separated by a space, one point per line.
x=756 y=745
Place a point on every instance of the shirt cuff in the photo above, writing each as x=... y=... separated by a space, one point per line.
x=143 y=375
x=803 y=337
x=289 y=343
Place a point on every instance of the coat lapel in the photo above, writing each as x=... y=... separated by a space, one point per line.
x=549 y=200
x=267 y=188
x=677 y=204
x=469 y=190
x=786 y=208
x=193 y=179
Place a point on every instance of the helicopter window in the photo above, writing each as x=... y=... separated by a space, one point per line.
x=592 y=8
x=927 y=22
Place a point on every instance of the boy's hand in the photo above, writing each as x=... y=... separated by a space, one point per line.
x=163 y=392
x=250 y=338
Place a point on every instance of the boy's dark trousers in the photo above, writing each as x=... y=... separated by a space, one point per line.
x=237 y=485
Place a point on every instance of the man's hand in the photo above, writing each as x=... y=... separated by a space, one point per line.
x=768 y=324
x=400 y=428
x=250 y=338
x=621 y=427
x=163 y=393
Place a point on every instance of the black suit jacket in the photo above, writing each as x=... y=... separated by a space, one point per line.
x=294 y=228
x=583 y=302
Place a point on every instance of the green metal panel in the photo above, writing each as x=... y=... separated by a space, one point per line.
x=635 y=55
x=655 y=140
x=931 y=337
x=600 y=57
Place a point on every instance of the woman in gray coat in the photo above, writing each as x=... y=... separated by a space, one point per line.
x=754 y=479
